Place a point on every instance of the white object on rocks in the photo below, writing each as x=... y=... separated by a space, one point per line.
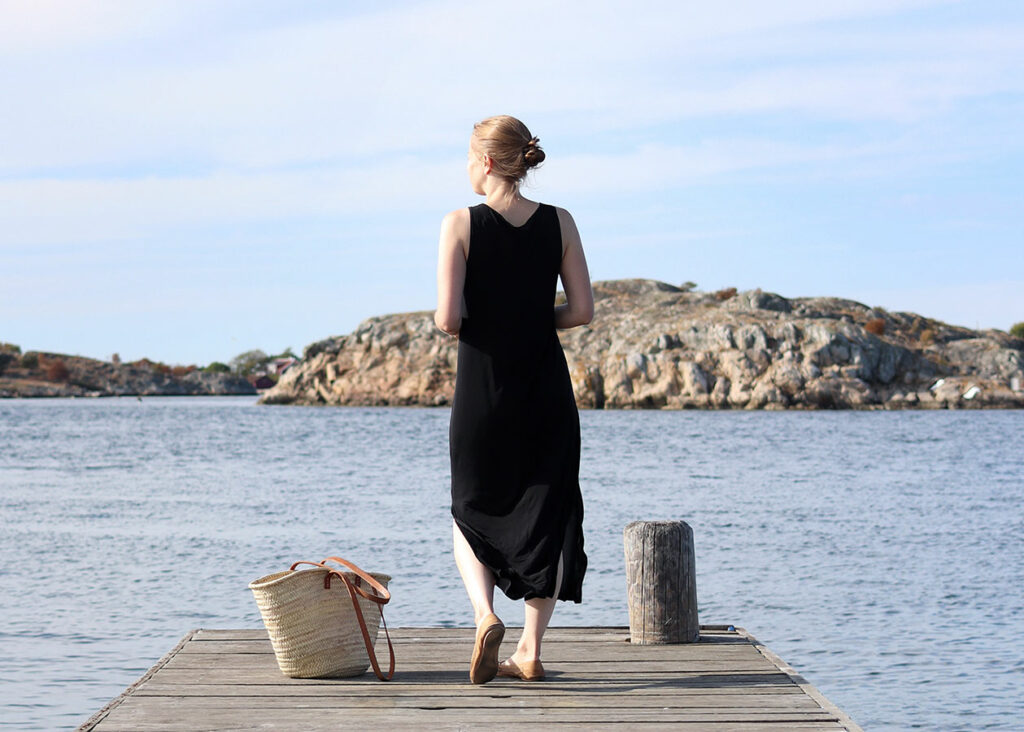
x=971 y=392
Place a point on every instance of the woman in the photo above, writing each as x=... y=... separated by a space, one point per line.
x=514 y=433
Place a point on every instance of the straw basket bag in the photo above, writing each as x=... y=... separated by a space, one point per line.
x=323 y=622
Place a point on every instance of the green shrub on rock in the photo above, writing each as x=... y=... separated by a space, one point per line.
x=217 y=368
x=30 y=360
x=1017 y=330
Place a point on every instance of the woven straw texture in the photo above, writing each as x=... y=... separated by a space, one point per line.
x=314 y=631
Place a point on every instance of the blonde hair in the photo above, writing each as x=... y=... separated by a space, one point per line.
x=510 y=146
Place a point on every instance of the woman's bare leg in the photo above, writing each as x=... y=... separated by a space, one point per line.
x=479 y=580
x=537 y=616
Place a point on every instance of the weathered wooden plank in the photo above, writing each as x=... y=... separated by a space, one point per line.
x=415 y=721
x=460 y=655
x=559 y=630
x=334 y=697
x=460 y=662
x=297 y=715
x=566 y=654
x=554 y=636
x=459 y=650
x=397 y=637
x=460 y=678
x=555 y=652
x=205 y=711
x=565 y=670
x=624 y=696
x=580 y=630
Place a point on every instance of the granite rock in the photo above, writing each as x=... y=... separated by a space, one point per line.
x=88 y=377
x=655 y=345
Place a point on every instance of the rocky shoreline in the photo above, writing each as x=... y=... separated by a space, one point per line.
x=41 y=374
x=652 y=345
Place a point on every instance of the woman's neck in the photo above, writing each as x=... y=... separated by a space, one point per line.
x=502 y=195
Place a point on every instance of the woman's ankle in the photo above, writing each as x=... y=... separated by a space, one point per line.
x=479 y=617
x=526 y=653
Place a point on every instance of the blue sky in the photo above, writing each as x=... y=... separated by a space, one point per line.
x=189 y=180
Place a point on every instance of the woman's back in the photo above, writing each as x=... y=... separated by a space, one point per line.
x=511 y=276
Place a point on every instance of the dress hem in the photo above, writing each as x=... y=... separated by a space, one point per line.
x=512 y=584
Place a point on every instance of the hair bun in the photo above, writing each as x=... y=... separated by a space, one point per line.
x=533 y=153
x=509 y=143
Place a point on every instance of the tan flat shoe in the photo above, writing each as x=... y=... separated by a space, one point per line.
x=527 y=671
x=484 y=665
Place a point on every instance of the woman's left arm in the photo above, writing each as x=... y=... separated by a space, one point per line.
x=451 y=270
x=579 y=296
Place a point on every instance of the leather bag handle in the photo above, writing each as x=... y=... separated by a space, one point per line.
x=380 y=596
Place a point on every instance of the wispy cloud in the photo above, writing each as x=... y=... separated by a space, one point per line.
x=411 y=79
x=129 y=125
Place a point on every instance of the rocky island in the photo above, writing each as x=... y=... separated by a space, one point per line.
x=41 y=374
x=653 y=345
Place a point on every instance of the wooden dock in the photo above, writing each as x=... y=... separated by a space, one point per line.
x=728 y=681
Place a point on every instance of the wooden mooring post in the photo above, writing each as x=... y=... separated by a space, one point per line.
x=661 y=582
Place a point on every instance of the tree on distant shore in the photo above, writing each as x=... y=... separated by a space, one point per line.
x=216 y=367
x=1017 y=330
x=245 y=363
x=253 y=362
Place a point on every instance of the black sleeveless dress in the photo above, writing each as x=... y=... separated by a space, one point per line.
x=515 y=433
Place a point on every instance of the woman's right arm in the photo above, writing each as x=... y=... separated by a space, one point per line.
x=451 y=271
x=579 y=298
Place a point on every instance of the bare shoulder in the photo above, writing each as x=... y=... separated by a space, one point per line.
x=455 y=229
x=570 y=234
x=564 y=217
x=455 y=220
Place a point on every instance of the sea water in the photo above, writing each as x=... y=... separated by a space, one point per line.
x=880 y=553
